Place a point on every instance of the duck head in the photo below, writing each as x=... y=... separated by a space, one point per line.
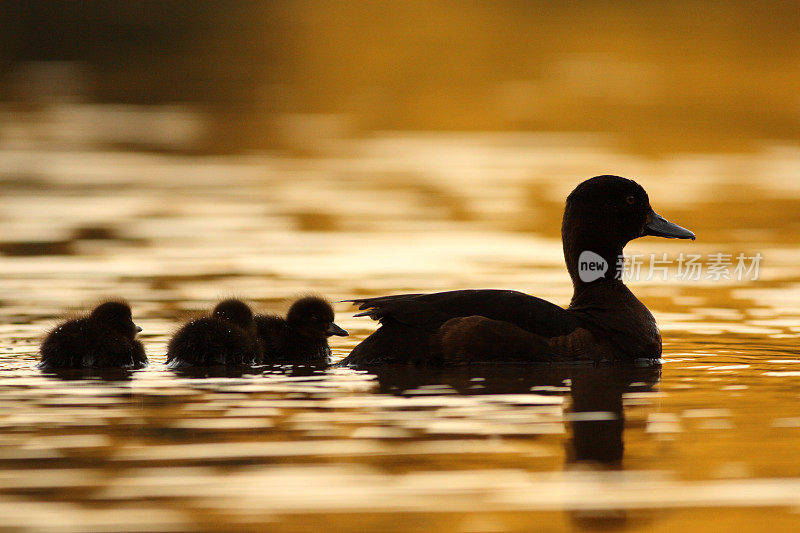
x=313 y=317
x=602 y=215
x=237 y=312
x=117 y=315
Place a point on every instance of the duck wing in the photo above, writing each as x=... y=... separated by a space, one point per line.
x=430 y=311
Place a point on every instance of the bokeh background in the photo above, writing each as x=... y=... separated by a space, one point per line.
x=658 y=76
x=173 y=153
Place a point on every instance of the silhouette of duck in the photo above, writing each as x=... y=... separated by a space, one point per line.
x=301 y=337
x=227 y=337
x=106 y=338
x=604 y=320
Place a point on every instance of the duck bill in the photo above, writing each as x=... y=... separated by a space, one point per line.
x=659 y=226
x=333 y=329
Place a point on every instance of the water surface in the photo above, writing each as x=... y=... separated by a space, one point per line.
x=708 y=439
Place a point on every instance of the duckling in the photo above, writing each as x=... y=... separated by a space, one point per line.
x=106 y=338
x=301 y=337
x=227 y=337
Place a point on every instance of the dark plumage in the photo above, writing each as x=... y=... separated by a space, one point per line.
x=301 y=337
x=227 y=337
x=106 y=338
x=604 y=321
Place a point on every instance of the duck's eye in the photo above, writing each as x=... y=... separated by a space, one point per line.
x=631 y=200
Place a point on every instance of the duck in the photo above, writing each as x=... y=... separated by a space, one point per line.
x=226 y=337
x=105 y=338
x=301 y=337
x=603 y=322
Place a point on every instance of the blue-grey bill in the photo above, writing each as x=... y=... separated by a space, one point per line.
x=659 y=226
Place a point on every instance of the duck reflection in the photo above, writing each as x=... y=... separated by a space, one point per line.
x=98 y=374
x=214 y=371
x=304 y=370
x=595 y=414
x=594 y=410
x=521 y=378
x=596 y=420
x=238 y=371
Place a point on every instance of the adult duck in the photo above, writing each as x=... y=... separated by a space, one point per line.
x=604 y=320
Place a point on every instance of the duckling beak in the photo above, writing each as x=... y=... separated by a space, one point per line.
x=659 y=226
x=333 y=329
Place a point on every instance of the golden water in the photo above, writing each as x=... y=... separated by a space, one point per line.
x=711 y=439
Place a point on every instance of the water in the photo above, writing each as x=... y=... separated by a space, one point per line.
x=707 y=440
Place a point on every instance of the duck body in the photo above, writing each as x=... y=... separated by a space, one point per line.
x=103 y=339
x=226 y=337
x=301 y=337
x=604 y=320
x=411 y=323
x=485 y=325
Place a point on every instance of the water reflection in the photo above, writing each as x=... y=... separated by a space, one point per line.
x=594 y=415
x=237 y=371
x=216 y=371
x=296 y=371
x=101 y=374
x=596 y=419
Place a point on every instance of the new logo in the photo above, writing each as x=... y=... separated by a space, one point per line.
x=591 y=266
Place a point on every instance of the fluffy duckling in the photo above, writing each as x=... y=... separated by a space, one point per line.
x=106 y=338
x=227 y=337
x=301 y=337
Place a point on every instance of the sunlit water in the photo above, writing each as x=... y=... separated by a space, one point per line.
x=711 y=439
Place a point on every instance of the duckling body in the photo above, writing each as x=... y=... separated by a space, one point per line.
x=226 y=337
x=604 y=320
x=301 y=337
x=103 y=339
